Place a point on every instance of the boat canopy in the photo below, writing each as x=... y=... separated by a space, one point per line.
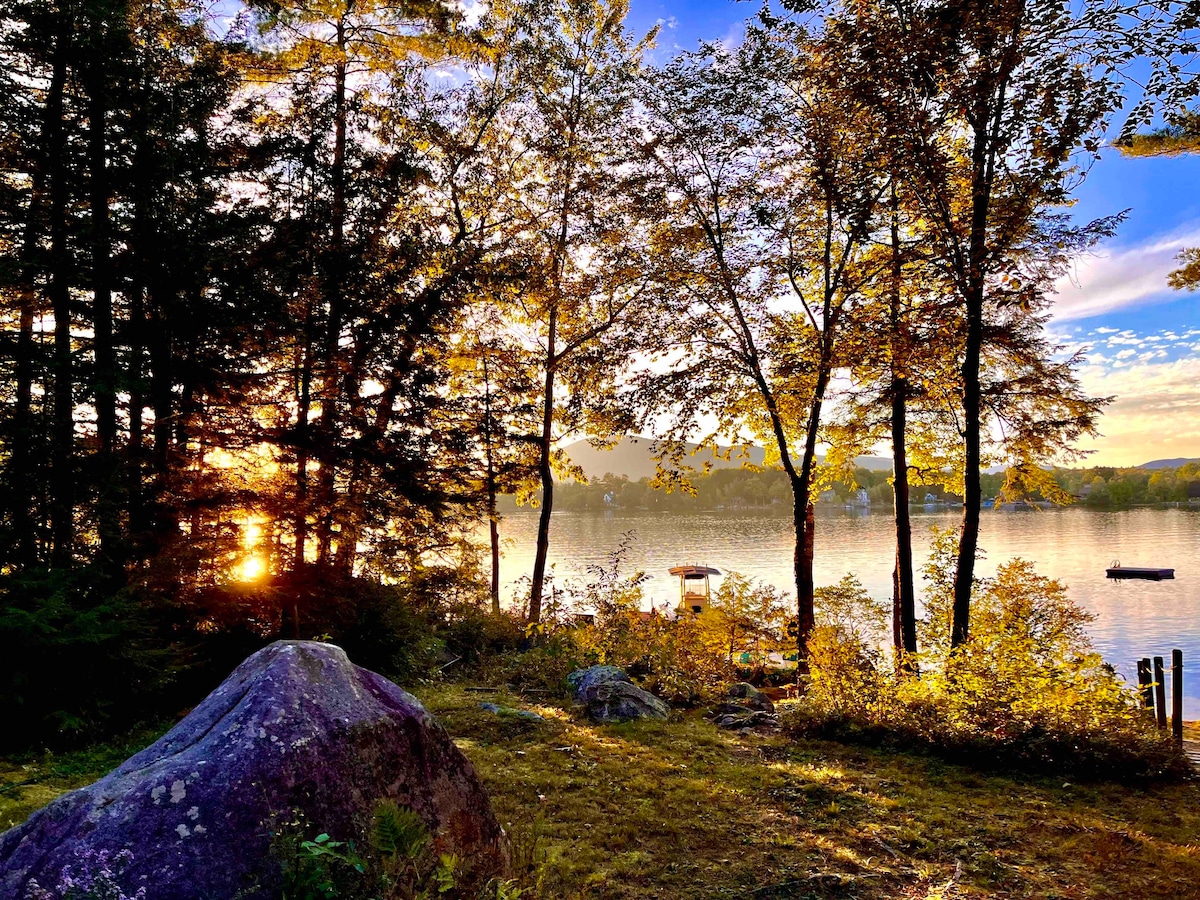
x=694 y=571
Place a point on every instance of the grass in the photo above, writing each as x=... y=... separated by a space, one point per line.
x=683 y=810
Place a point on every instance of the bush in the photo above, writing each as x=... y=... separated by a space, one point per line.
x=602 y=622
x=78 y=662
x=1026 y=690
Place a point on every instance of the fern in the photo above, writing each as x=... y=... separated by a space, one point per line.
x=398 y=832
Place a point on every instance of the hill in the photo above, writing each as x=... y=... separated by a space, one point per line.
x=1168 y=463
x=632 y=457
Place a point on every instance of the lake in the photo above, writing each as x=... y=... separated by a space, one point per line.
x=1074 y=545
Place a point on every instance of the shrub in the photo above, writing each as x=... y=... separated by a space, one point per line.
x=79 y=662
x=601 y=622
x=1026 y=690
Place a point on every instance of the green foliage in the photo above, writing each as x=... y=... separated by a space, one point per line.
x=1187 y=276
x=601 y=622
x=319 y=868
x=1026 y=690
x=398 y=864
x=844 y=655
x=1179 y=137
x=80 y=661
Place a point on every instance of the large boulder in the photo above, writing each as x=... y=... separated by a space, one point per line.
x=296 y=728
x=610 y=696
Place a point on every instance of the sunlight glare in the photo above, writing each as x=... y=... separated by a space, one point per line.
x=252 y=569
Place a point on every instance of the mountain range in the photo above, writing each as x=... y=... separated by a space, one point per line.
x=1167 y=463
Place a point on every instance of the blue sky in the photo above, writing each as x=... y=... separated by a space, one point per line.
x=1144 y=337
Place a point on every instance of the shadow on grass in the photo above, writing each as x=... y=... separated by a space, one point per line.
x=681 y=809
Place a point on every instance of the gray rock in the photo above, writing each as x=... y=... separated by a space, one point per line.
x=611 y=696
x=748 y=720
x=620 y=701
x=582 y=680
x=295 y=727
x=509 y=711
x=749 y=696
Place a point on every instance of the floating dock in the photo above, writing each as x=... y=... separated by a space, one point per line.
x=1119 y=571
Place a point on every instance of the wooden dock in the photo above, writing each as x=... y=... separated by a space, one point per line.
x=1191 y=750
x=1150 y=574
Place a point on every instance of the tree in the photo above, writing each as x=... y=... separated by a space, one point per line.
x=904 y=380
x=759 y=181
x=987 y=112
x=744 y=612
x=1181 y=136
x=370 y=273
x=573 y=66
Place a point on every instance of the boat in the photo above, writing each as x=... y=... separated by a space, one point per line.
x=694 y=599
x=1116 y=570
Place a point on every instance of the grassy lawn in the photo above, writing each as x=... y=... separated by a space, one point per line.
x=682 y=810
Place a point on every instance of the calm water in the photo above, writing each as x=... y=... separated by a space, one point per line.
x=1134 y=618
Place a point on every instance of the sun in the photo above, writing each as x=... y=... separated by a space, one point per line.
x=252 y=568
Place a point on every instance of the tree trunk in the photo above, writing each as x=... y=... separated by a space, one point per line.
x=968 y=544
x=62 y=437
x=162 y=403
x=335 y=270
x=135 y=455
x=803 y=514
x=104 y=381
x=546 y=474
x=982 y=155
x=493 y=519
x=22 y=478
x=904 y=608
x=303 y=405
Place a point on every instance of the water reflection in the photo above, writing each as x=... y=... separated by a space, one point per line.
x=1134 y=618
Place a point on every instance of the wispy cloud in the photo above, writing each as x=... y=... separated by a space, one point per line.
x=1121 y=277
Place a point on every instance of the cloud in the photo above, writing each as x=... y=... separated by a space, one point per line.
x=1120 y=278
x=733 y=38
x=1155 y=413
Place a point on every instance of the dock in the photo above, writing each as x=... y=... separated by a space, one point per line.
x=1151 y=574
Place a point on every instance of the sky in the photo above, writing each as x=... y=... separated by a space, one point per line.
x=1144 y=338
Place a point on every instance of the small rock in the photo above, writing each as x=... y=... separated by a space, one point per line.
x=749 y=696
x=620 y=701
x=509 y=711
x=582 y=679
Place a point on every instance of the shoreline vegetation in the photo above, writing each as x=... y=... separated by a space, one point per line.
x=1099 y=487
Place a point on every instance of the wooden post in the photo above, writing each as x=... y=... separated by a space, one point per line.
x=1145 y=683
x=1177 y=696
x=1160 y=693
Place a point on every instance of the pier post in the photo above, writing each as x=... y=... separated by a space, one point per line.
x=1177 y=696
x=1145 y=683
x=1160 y=693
